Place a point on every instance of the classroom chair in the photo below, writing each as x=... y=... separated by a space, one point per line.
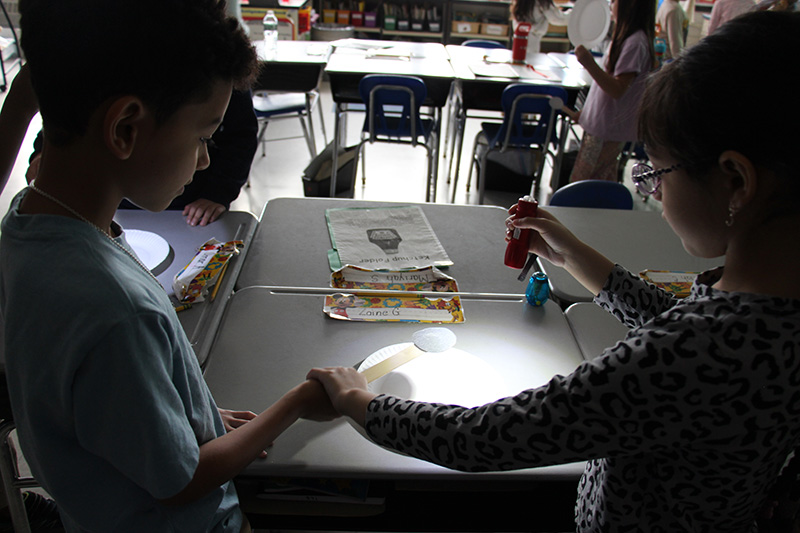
x=393 y=114
x=457 y=116
x=529 y=113
x=270 y=106
x=594 y=193
x=13 y=482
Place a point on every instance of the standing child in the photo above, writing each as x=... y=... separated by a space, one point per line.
x=685 y=423
x=110 y=404
x=539 y=14
x=670 y=22
x=608 y=117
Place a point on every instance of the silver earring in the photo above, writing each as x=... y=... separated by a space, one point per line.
x=731 y=214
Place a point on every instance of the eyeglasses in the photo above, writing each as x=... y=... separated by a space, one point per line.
x=648 y=180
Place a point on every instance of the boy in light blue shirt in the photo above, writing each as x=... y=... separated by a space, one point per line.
x=110 y=403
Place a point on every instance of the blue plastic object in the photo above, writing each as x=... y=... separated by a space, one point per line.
x=389 y=105
x=480 y=43
x=538 y=291
x=593 y=193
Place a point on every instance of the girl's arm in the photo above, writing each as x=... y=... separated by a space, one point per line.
x=551 y=240
x=614 y=86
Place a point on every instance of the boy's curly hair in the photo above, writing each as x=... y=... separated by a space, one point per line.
x=167 y=52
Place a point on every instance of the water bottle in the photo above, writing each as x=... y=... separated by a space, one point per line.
x=270 y=34
x=519 y=46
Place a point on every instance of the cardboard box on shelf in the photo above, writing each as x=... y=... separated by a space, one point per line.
x=463 y=26
x=329 y=16
x=498 y=30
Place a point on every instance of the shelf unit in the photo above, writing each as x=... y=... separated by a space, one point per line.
x=486 y=19
x=496 y=10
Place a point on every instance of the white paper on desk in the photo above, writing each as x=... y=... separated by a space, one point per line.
x=392 y=238
x=545 y=74
x=494 y=70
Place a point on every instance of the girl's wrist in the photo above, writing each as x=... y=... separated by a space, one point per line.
x=353 y=403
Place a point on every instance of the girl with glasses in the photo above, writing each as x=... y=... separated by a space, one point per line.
x=687 y=423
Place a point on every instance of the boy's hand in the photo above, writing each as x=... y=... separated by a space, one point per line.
x=202 y=212
x=234 y=419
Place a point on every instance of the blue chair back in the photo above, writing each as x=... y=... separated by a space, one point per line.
x=393 y=104
x=594 y=193
x=480 y=43
x=522 y=101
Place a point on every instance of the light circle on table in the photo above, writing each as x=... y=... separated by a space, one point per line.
x=151 y=248
x=452 y=377
x=589 y=22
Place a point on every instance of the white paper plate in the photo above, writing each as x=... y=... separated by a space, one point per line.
x=452 y=377
x=151 y=248
x=589 y=22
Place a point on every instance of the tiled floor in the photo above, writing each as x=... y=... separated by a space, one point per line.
x=394 y=172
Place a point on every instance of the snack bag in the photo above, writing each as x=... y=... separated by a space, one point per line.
x=192 y=283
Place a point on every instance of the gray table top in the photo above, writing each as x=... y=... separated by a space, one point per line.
x=637 y=240
x=201 y=321
x=270 y=338
x=290 y=247
x=594 y=328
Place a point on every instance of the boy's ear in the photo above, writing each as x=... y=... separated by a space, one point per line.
x=123 y=124
x=742 y=177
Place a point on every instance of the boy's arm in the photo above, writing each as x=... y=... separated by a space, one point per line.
x=19 y=108
x=224 y=457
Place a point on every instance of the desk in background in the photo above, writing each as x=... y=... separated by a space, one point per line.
x=637 y=240
x=297 y=66
x=484 y=93
x=348 y=64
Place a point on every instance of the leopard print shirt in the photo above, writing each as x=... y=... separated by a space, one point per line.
x=684 y=424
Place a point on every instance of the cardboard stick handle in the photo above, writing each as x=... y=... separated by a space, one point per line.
x=390 y=363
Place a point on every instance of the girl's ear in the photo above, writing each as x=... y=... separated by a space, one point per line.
x=123 y=124
x=741 y=176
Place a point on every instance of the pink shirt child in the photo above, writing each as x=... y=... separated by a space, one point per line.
x=613 y=119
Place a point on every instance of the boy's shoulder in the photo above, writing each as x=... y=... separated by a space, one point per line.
x=53 y=260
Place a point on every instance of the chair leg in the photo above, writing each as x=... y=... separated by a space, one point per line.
x=459 y=145
x=308 y=136
x=482 y=177
x=321 y=118
x=261 y=140
x=473 y=161
x=11 y=480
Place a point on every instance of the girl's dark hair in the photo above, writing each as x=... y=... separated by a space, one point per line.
x=521 y=10
x=719 y=95
x=632 y=16
x=166 y=52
